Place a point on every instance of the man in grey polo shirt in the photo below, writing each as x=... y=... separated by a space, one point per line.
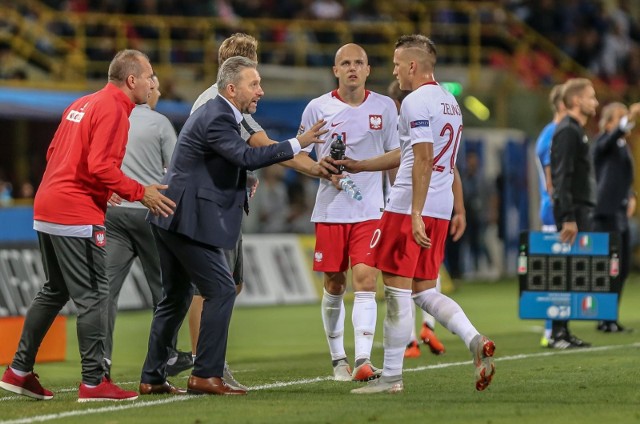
x=152 y=139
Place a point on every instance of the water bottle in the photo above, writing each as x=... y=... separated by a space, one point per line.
x=349 y=187
x=338 y=149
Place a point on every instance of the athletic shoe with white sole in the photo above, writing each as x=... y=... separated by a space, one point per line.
x=383 y=384
x=365 y=372
x=482 y=350
x=29 y=385
x=104 y=391
x=341 y=370
x=230 y=381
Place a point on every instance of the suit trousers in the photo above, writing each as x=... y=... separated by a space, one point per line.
x=75 y=268
x=184 y=260
x=129 y=236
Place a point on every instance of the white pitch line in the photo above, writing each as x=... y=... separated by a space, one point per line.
x=280 y=384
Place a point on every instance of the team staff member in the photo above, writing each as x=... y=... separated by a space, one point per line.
x=207 y=178
x=573 y=181
x=543 y=166
x=149 y=149
x=408 y=246
x=615 y=198
x=366 y=121
x=83 y=169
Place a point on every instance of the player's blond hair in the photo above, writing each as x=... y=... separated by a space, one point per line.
x=555 y=97
x=238 y=44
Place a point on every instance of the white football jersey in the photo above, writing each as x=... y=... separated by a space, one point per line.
x=430 y=114
x=367 y=130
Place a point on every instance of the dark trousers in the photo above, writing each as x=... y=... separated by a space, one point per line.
x=75 y=268
x=183 y=261
x=584 y=221
x=129 y=236
x=618 y=223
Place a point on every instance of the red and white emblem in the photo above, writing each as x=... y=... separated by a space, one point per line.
x=375 y=122
x=100 y=238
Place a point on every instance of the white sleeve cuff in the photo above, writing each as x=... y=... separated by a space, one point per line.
x=625 y=125
x=295 y=145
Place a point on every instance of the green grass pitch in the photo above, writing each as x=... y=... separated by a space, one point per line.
x=281 y=354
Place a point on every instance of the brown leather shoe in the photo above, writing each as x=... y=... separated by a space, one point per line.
x=211 y=386
x=165 y=388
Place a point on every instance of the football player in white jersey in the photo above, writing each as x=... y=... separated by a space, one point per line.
x=367 y=123
x=427 y=333
x=408 y=246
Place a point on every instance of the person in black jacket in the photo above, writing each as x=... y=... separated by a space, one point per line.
x=615 y=198
x=573 y=181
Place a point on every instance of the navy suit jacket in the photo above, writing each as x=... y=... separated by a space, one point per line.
x=207 y=175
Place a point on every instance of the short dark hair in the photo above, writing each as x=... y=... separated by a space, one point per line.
x=417 y=40
x=421 y=42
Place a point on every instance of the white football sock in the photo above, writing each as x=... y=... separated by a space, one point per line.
x=333 y=321
x=428 y=318
x=397 y=329
x=364 y=316
x=414 y=337
x=447 y=312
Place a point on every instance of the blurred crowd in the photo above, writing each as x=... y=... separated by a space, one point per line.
x=603 y=36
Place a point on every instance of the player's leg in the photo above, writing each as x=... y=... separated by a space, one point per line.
x=333 y=313
x=427 y=333
x=364 y=316
x=445 y=310
x=195 y=314
x=365 y=308
x=394 y=234
x=330 y=257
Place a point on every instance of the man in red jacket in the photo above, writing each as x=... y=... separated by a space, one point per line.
x=83 y=170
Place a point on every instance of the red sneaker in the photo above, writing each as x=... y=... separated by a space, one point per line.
x=429 y=338
x=412 y=350
x=29 y=385
x=104 y=391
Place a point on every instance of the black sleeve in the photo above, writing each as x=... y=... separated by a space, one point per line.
x=606 y=142
x=563 y=150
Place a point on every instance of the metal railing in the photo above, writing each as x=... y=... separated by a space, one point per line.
x=75 y=47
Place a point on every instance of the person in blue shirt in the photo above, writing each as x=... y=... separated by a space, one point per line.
x=543 y=166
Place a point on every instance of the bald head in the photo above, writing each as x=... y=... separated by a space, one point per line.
x=351 y=69
x=351 y=50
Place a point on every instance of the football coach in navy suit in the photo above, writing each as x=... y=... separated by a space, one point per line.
x=207 y=181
